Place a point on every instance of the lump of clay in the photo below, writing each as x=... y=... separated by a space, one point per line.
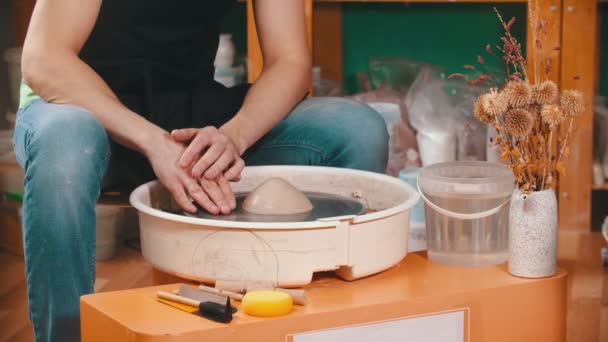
x=276 y=196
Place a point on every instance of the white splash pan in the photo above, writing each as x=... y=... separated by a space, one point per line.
x=287 y=253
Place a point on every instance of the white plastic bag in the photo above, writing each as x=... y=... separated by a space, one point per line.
x=441 y=111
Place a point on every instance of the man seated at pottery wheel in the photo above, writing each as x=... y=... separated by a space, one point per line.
x=130 y=84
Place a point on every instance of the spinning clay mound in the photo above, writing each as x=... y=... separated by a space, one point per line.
x=276 y=196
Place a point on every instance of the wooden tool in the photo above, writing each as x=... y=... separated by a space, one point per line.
x=177 y=305
x=241 y=286
x=236 y=287
x=177 y=298
x=232 y=295
x=298 y=296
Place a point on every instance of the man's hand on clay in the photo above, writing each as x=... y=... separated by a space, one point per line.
x=211 y=152
x=215 y=196
x=220 y=192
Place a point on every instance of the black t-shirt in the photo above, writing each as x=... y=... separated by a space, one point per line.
x=157 y=56
x=173 y=42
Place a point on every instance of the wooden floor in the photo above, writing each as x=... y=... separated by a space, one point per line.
x=579 y=253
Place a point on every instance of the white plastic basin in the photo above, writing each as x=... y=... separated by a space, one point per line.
x=287 y=253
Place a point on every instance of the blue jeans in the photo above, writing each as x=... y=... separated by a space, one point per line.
x=65 y=153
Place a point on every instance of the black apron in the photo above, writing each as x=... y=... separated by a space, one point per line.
x=157 y=57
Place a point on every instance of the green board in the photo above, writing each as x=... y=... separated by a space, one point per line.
x=448 y=35
x=603 y=31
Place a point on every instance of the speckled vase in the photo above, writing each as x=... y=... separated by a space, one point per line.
x=533 y=234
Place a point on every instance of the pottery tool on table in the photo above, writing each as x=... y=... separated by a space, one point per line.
x=200 y=295
x=236 y=287
x=221 y=292
x=263 y=303
x=298 y=296
x=210 y=309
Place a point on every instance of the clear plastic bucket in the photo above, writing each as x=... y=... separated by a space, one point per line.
x=410 y=176
x=467 y=212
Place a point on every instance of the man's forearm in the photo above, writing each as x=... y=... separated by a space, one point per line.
x=277 y=91
x=65 y=79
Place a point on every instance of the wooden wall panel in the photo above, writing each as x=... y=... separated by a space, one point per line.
x=21 y=13
x=578 y=71
x=255 y=61
x=549 y=11
x=327 y=40
x=254 y=52
x=425 y=1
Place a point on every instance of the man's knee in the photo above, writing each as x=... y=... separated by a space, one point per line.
x=360 y=136
x=67 y=141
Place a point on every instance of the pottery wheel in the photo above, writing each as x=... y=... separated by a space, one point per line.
x=324 y=205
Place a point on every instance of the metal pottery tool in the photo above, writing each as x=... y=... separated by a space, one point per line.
x=200 y=295
x=221 y=313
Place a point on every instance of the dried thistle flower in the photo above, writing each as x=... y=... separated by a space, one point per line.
x=493 y=104
x=518 y=122
x=544 y=93
x=480 y=113
x=518 y=93
x=572 y=102
x=552 y=114
x=524 y=115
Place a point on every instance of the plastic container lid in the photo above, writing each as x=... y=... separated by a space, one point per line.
x=225 y=36
x=467 y=177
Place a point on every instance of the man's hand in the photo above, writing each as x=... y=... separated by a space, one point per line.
x=215 y=195
x=210 y=152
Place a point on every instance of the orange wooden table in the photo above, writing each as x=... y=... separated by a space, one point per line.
x=414 y=301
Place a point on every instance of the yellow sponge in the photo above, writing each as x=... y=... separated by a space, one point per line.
x=267 y=303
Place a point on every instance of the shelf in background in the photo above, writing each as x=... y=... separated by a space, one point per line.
x=428 y=1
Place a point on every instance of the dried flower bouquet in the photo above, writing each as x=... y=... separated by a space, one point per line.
x=526 y=116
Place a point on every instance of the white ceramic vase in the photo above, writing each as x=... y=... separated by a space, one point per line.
x=533 y=234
